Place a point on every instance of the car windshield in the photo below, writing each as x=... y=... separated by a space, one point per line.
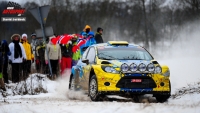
x=123 y=53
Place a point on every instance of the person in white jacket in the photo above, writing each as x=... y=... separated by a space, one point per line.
x=17 y=57
x=54 y=54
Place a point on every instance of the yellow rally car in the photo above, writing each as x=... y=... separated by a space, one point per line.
x=120 y=68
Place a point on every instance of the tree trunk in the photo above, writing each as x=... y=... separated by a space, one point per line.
x=145 y=25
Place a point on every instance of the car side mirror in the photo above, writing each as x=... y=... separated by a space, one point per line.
x=85 y=61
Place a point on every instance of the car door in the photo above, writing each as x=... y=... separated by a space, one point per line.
x=80 y=65
x=80 y=68
x=87 y=68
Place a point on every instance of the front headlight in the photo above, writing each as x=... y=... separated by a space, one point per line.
x=133 y=67
x=124 y=67
x=109 y=69
x=142 y=67
x=158 y=69
x=150 y=67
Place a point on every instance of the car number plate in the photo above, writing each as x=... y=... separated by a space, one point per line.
x=136 y=80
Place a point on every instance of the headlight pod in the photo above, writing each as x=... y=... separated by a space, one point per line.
x=142 y=67
x=150 y=67
x=133 y=67
x=124 y=67
x=109 y=69
x=158 y=69
x=139 y=68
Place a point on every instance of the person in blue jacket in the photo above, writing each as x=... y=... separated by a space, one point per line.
x=6 y=52
x=90 y=40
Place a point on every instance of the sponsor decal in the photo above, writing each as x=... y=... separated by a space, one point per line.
x=15 y=10
x=136 y=80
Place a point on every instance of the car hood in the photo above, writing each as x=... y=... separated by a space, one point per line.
x=118 y=63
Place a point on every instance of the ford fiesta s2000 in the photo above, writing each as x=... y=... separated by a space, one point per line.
x=120 y=68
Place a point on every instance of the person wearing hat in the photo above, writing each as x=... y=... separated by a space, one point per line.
x=33 y=38
x=86 y=30
x=29 y=56
x=98 y=35
x=16 y=58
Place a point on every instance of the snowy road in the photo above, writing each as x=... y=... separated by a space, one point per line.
x=188 y=103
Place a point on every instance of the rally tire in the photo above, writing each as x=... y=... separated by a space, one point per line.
x=93 y=89
x=163 y=98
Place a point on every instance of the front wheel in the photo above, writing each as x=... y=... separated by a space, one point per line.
x=93 y=89
x=162 y=98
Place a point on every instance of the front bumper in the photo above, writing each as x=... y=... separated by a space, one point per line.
x=150 y=83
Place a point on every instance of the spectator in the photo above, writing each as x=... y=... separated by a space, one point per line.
x=5 y=54
x=18 y=55
x=40 y=61
x=33 y=42
x=33 y=39
x=2 y=86
x=86 y=30
x=76 y=55
x=54 y=53
x=98 y=35
x=29 y=56
x=66 y=61
x=90 y=40
x=33 y=45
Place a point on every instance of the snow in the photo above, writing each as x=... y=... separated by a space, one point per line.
x=51 y=104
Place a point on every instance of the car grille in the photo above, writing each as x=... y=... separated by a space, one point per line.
x=125 y=82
